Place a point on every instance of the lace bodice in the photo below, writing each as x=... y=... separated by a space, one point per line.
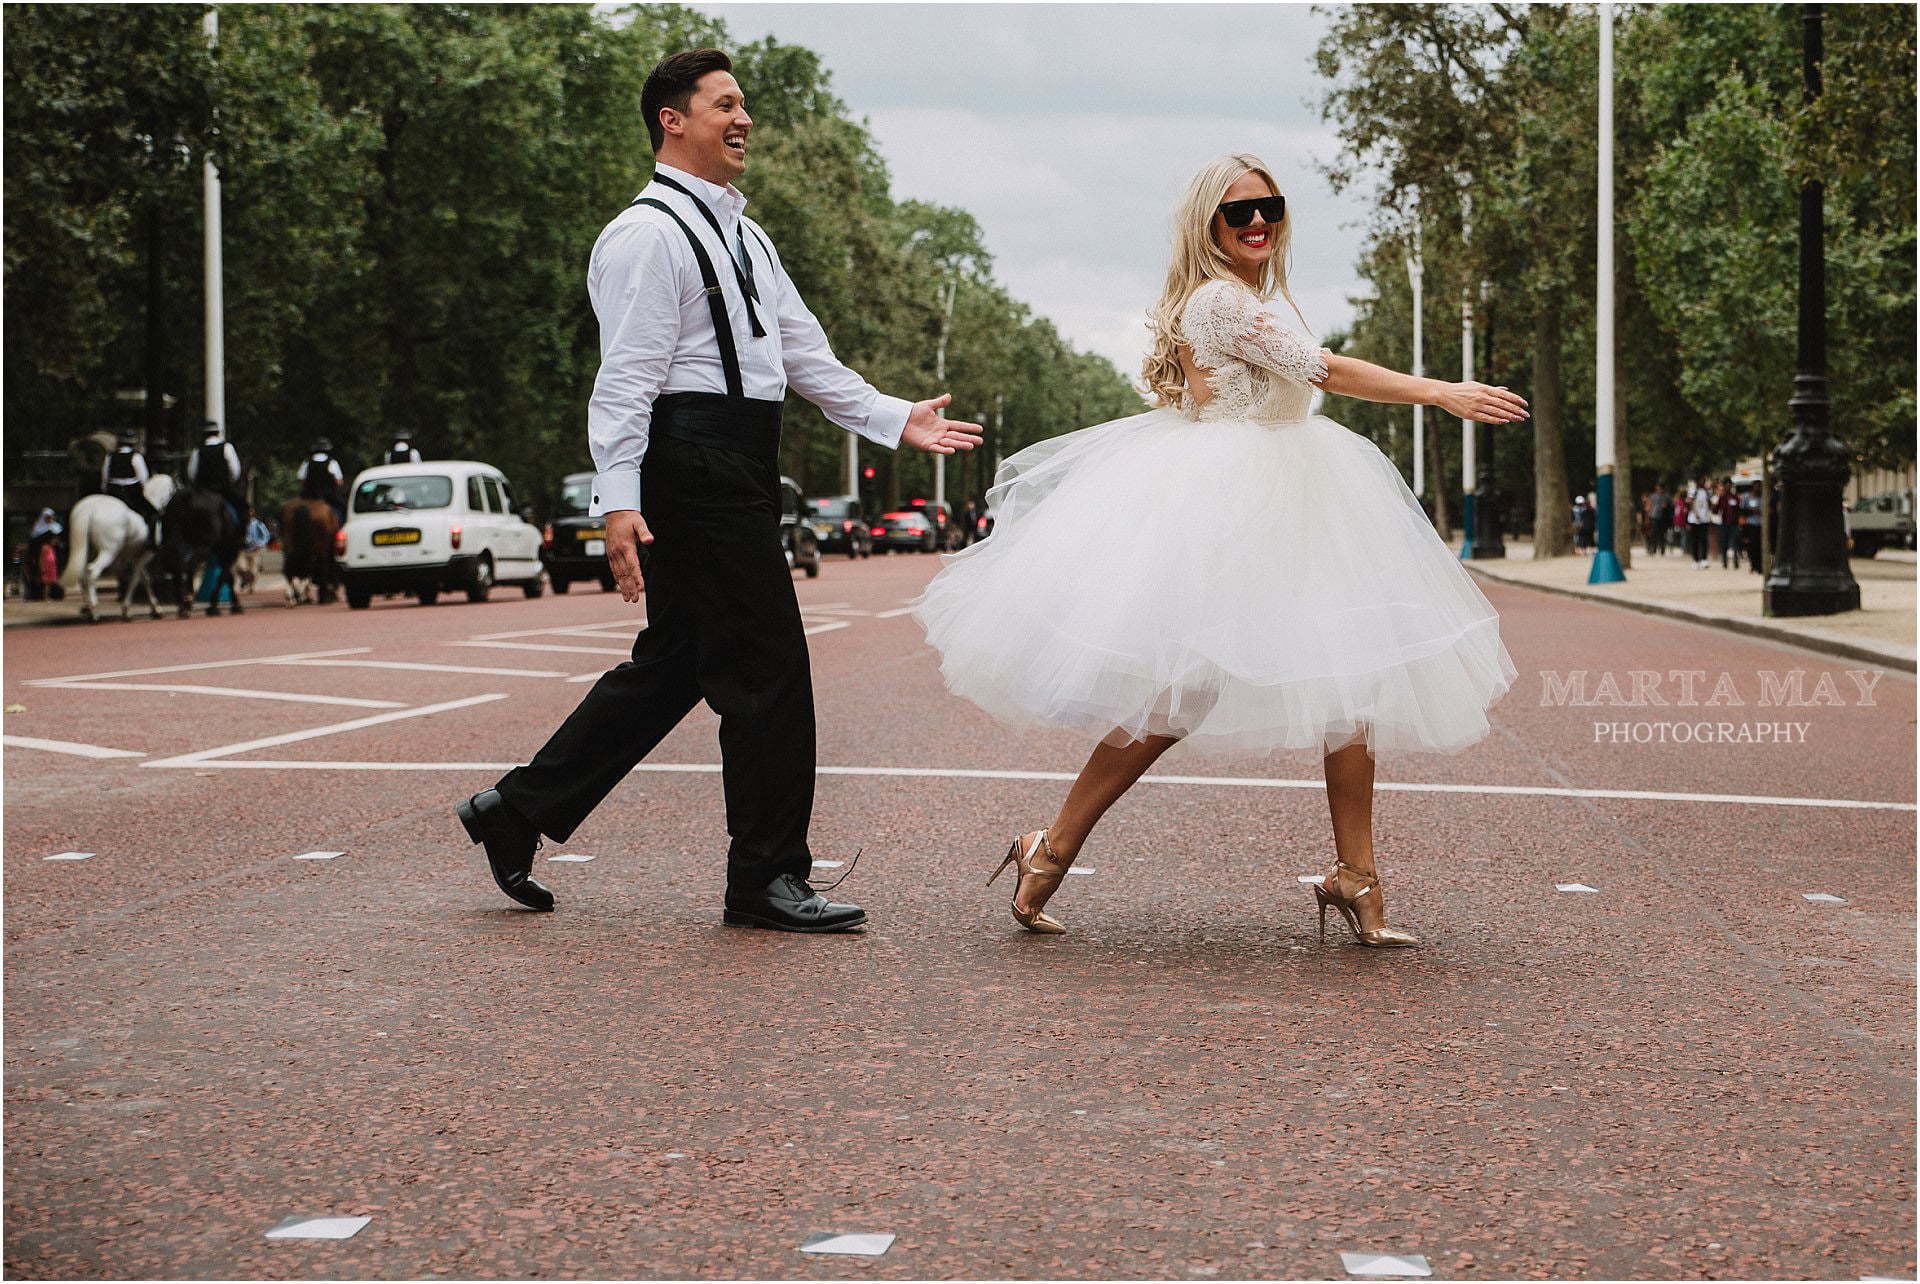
x=1259 y=369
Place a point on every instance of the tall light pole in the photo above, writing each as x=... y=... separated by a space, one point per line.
x=1469 y=469
x=1810 y=575
x=216 y=357
x=1416 y=270
x=948 y=289
x=1606 y=562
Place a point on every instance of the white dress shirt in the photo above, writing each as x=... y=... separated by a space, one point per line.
x=333 y=467
x=232 y=458
x=140 y=473
x=657 y=334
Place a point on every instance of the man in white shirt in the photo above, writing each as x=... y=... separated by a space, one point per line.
x=701 y=334
x=215 y=466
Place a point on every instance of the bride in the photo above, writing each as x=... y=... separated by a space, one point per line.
x=1273 y=585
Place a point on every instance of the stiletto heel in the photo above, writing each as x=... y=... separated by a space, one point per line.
x=1038 y=921
x=1327 y=894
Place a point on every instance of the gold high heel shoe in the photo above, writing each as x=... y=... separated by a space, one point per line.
x=1327 y=893
x=1039 y=920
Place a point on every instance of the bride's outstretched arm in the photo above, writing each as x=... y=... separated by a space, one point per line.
x=1352 y=377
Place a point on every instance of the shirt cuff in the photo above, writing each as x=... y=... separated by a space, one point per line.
x=615 y=491
x=887 y=420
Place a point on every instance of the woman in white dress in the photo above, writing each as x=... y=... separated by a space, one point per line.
x=1271 y=583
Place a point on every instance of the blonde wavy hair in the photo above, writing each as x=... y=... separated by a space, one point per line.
x=1197 y=259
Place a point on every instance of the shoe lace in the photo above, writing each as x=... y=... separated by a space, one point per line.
x=851 y=866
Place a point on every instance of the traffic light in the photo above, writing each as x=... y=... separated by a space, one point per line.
x=868 y=472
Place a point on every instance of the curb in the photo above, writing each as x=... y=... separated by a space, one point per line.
x=1772 y=632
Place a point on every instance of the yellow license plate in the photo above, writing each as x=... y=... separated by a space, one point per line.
x=599 y=534
x=395 y=537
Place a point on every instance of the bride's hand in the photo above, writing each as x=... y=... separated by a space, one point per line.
x=927 y=431
x=1482 y=404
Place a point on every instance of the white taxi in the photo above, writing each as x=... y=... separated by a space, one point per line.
x=447 y=525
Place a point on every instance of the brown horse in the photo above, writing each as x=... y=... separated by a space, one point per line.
x=307 y=528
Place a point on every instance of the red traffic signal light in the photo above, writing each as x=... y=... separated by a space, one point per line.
x=867 y=472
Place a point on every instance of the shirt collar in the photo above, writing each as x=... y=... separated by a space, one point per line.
x=728 y=198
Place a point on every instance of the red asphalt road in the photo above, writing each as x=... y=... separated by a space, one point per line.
x=1693 y=1073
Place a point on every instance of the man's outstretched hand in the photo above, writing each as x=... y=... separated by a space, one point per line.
x=927 y=431
x=626 y=532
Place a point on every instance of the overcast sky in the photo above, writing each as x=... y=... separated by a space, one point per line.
x=1069 y=130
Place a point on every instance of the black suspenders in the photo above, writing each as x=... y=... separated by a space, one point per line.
x=722 y=328
x=743 y=275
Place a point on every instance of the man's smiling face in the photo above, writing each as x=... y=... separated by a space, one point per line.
x=715 y=125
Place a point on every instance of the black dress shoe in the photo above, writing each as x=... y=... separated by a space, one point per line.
x=788 y=904
x=510 y=842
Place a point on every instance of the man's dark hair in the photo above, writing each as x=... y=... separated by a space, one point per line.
x=671 y=84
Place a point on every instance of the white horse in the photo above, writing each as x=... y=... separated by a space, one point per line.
x=105 y=534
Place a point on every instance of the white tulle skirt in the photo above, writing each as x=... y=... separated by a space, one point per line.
x=1247 y=587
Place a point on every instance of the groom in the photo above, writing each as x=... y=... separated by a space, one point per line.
x=701 y=334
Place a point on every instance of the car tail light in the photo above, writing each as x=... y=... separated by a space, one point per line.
x=546 y=535
x=881 y=531
x=453 y=536
x=340 y=543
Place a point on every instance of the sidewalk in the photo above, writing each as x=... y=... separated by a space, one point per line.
x=1880 y=632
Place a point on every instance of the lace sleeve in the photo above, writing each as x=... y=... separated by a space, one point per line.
x=1223 y=322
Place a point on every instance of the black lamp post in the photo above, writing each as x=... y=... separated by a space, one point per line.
x=1810 y=575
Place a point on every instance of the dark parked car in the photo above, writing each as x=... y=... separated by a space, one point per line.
x=574 y=546
x=796 y=537
x=841 y=524
x=909 y=531
x=948 y=536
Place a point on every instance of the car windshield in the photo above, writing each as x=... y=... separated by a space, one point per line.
x=391 y=494
x=830 y=507
x=575 y=496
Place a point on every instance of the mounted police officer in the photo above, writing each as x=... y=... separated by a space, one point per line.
x=215 y=465
x=321 y=478
x=402 y=452
x=124 y=475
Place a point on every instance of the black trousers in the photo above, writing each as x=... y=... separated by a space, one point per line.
x=722 y=625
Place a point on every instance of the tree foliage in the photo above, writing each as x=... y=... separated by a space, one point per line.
x=1712 y=139
x=409 y=196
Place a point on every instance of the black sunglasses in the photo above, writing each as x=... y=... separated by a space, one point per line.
x=1240 y=213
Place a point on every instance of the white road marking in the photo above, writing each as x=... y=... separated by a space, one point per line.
x=318 y=855
x=1573 y=887
x=535 y=646
x=963 y=773
x=626 y=622
x=424 y=668
x=238 y=693
x=206 y=664
x=595 y=676
x=829 y=627
x=830 y=608
x=69 y=856
x=208 y=756
x=69 y=746
x=574 y=858
x=898 y=610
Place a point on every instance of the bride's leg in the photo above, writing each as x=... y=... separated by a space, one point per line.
x=1350 y=800
x=1109 y=773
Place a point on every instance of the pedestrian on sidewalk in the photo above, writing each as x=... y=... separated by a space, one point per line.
x=1659 y=519
x=1750 y=526
x=1699 y=506
x=1727 y=504
x=701 y=334
x=1327 y=615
